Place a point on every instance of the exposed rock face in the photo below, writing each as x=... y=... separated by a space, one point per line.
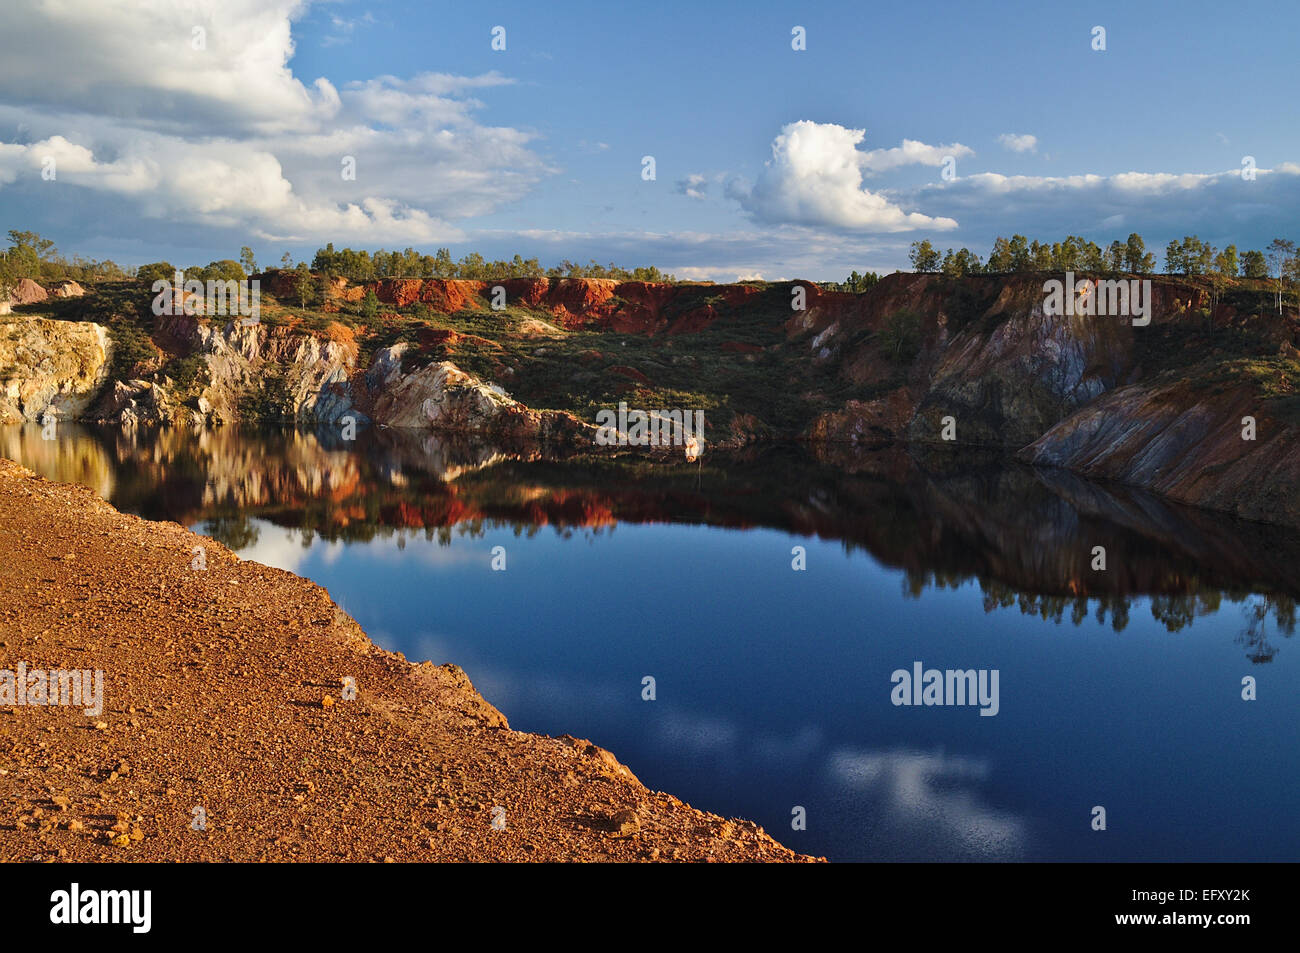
x=50 y=368
x=442 y=397
x=312 y=374
x=1185 y=445
x=1007 y=386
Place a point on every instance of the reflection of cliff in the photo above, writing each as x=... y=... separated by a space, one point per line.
x=62 y=459
x=1026 y=535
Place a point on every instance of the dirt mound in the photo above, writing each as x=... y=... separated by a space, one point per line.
x=28 y=292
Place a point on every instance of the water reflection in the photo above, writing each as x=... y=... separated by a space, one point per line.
x=1025 y=535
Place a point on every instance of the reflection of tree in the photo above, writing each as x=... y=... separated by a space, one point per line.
x=1255 y=635
x=1177 y=611
x=999 y=595
x=233 y=532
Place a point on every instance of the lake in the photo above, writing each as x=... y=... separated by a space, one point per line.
x=773 y=686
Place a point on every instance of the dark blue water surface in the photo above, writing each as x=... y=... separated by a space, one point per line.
x=1119 y=688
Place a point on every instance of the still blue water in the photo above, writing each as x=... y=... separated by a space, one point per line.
x=773 y=685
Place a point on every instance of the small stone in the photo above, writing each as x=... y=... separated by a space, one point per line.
x=75 y=825
x=326 y=702
x=626 y=822
x=101 y=726
x=122 y=840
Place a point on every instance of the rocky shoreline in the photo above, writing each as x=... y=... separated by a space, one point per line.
x=245 y=717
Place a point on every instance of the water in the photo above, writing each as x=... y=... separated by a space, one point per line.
x=1120 y=689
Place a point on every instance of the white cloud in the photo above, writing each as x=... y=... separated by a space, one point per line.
x=1018 y=142
x=1219 y=206
x=815 y=178
x=911 y=152
x=227 y=136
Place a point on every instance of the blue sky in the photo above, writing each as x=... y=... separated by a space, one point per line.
x=769 y=161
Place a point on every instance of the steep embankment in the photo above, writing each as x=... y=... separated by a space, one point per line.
x=223 y=698
x=917 y=359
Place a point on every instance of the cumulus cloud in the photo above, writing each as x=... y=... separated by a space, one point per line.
x=1019 y=142
x=912 y=152
x=192 y=110
x=814 y=178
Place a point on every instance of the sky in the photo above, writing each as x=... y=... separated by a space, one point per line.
x=181 y=130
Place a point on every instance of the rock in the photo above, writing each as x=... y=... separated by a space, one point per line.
x=51 y=369
x=67 y=289
x=625 y=822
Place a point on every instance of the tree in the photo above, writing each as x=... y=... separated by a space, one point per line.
x=286 y=261
x=304 y=285
x=247 y=261
x=1223 y=271
x=963 y=262
x=1226 y=263
x=1254 y=265
x=1115 y=257
x=369 y=305
x=1019 y=251
x=1174 y=263
x=443 y=266
x=1091 y=256
x=1136 y=257
x=1281 y=252
x=224 y=270
x=1040 y=256
x=156 y=271
x=925 y=257
x=1000 y=257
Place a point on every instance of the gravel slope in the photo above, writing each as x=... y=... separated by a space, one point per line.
x=224 y=690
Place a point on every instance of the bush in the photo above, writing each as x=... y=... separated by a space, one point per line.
x=156 y=271
x=900 y=337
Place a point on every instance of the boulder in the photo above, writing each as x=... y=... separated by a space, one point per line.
x=67 y=289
